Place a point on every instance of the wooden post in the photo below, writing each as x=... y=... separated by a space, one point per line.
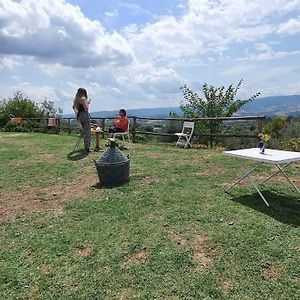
x=211 y=132
x=261 y=124
x=103 y=127
x=133 y=130
x=58 y=125
x=69 y=127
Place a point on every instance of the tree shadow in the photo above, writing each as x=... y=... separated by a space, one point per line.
x=77 y=155
x=283 y=208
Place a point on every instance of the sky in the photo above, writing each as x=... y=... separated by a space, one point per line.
x=138 y=53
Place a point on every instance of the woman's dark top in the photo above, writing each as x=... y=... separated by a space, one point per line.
x=80 y=109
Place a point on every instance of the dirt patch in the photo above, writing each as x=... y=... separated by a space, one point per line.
x=224 y=285
x=138 y=257
x=211 y=171
x=273 y=271
x=46 y=269
x=153 y=217
x=201 y=253
x=47 y=157
x=154 y=155
x=230 y=222
x=125 y=293
x=148 y=180
x=13 y=135
x=177 y=238
x=83 y=251
x=27 y=199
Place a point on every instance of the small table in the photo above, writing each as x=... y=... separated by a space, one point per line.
x=281 y=159
x=97 y=132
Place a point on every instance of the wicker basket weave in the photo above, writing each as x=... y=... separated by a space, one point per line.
x=113 y=167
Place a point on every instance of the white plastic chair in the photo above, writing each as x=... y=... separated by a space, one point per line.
x=185 y=136
x=123 y=134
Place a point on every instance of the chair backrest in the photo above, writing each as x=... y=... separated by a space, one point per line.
x=188 y=128
x=128 y=127
x=16 y=120
x=52 y=122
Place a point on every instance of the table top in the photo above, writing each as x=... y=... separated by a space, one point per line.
x=270 y=156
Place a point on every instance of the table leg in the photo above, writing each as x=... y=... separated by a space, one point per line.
x=243 y=177
x=275 y=173
x=247 y=175
x=284 y=174
x=259 y=192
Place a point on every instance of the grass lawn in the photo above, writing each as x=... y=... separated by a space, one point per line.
x=171 y=233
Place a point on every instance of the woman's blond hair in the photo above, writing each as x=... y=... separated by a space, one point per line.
x=81 y=92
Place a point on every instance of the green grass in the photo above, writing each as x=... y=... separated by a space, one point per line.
x=171 y=233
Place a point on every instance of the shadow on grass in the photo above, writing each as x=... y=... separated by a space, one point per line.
x=283 y=208
x=100 y=185
x=77 y=155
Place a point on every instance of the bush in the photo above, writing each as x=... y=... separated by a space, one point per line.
x=15 y=127
x=24 y=126
x=291 y=144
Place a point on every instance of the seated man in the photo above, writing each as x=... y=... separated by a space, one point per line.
x=120 y=123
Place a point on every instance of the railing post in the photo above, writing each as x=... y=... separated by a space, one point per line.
x=103 y=127
x=133 y=130
x=58 y=125
x=211 y=133
x=261 y=124
x=69 y=126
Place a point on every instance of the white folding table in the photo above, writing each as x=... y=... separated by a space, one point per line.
x=281 y=159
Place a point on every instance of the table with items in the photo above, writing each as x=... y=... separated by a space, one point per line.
x=281 y=159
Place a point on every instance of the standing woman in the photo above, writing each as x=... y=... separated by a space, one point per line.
x=81 y=107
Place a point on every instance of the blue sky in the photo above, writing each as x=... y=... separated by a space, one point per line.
x=136 y=54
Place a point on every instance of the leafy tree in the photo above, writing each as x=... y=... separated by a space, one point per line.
x=275 y=127
x=49 y=110
x=18 y=106
x=217 y=102
x=23 y=107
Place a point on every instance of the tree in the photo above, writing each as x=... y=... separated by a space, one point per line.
x=22 y=107
x=18 y=106
x=275 y=127
x=218 y=102
x=48 y=109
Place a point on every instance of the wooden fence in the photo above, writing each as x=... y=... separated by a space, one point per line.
x=69 y=125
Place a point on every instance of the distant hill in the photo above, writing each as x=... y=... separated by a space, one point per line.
x=270 y=106
x=159 y=112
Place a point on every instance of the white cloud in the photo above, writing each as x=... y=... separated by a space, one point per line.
x=237 y=70
x=10 y=62
x=142 y=65
x=267 y=53
x=209 y=26
x=112 y=14
x=35 y=92
x=271 y=54
x=55 y=31
x=292 y=26
x=135 y=9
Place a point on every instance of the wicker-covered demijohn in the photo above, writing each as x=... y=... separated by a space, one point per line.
x=113 y=167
